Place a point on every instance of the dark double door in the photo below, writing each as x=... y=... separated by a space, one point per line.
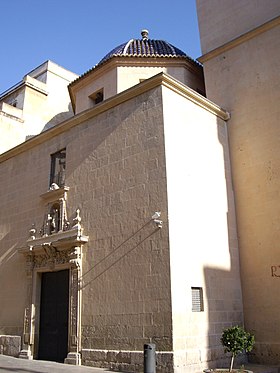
x=53 y=333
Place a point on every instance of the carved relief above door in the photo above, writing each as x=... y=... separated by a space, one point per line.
x=57 y=246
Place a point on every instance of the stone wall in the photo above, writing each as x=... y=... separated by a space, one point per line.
x=249 y=89
x=223 y=21
x=125 y=361
x=125 y=282
x=116 y=174
x=10 y=345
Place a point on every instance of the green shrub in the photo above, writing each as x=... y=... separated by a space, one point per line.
x=236 y=340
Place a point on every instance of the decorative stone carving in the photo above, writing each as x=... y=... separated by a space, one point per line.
x=55 y=219
x=77 y=219
x=56 y=258
x=75 y=257
x=29 y=263
x=26 y=326
x=54 y=186
x=58 y=245
x=74 y=305
x=32 y=232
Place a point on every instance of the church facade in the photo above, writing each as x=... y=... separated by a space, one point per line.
x=118 y=224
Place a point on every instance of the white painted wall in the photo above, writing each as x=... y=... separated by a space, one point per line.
x=42 y=101
x=198 y=209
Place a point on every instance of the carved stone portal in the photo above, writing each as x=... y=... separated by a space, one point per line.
x=53 y=251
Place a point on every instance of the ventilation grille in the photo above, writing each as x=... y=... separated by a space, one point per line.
x=197 y=300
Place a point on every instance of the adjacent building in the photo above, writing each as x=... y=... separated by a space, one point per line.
x=241 y=50
x=35 y=104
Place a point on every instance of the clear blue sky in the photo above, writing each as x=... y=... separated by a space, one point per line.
x=76 y=34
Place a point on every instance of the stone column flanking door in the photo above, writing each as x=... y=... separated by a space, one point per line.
x=74 y=355
x=27 y=340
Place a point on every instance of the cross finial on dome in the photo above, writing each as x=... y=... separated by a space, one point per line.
x=144 y=34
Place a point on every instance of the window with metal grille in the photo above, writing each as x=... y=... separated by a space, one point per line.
x=197 y=299
x=58 y=164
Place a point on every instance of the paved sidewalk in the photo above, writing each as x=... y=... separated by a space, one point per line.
x=10 y=364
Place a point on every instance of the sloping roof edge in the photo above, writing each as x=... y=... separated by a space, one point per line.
x=148 y=84
x=100 y=64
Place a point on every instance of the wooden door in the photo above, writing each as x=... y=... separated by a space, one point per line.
x=54 y=309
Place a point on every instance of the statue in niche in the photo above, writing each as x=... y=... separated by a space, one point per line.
x=54 y=219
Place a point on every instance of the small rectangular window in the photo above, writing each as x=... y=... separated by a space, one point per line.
x=97 y=96
x=58 y=165
x=197 y=299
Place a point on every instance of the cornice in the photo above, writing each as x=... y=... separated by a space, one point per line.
x=59 y=240
x=13 y=117
x=35 y=84
x=240 y=39
x=28 y=81
x=116 y=61
x=160 y=79
x=54 y=194
x=126 y=61
x=195 y=97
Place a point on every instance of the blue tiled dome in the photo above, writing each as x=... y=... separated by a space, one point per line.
x=141 y=48
x=144 y=47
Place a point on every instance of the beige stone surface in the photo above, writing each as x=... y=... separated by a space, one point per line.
x=117 y=155
x=245 y=80
x=125 y=361
x=119 y=74
x=120 y=261
x=202 y=231
x=126 y=300
x=221 y=21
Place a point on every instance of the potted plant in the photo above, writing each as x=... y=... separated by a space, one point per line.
x=235 y=340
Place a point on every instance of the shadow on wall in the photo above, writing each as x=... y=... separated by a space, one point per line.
x=223 y=287
x=118 y=253
x=6 y=254
x=59 y=118
x=224 y=310
x=105 y=151
x=12 y=271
